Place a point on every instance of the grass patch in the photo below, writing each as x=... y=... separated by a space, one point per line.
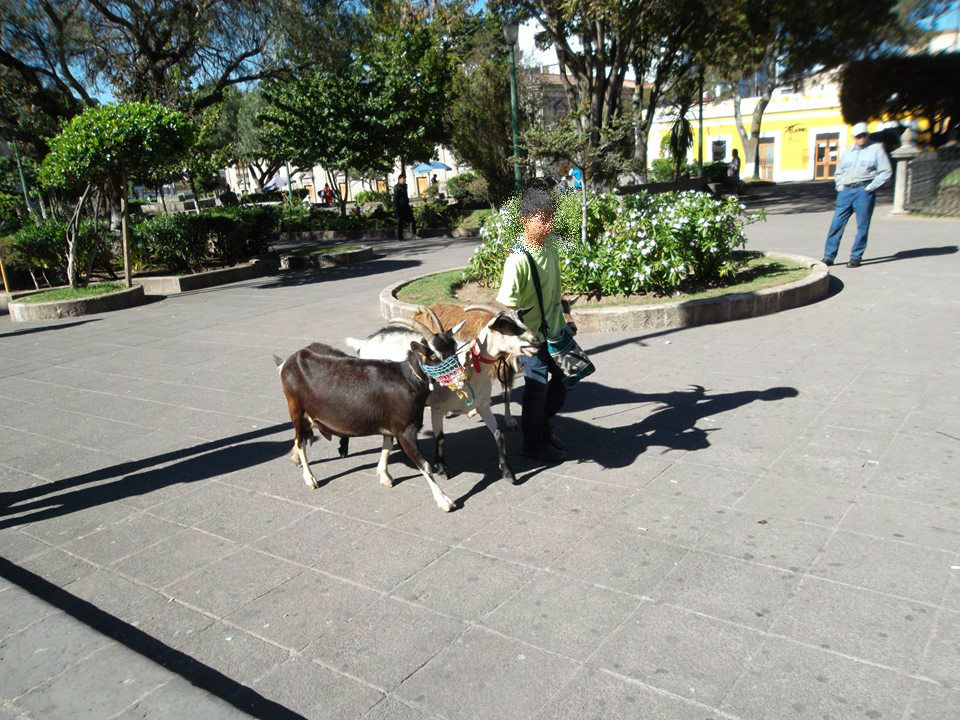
x=326 y=250
x=75 y=293
x=475 y=218
x=440 y=287
x=758 y=272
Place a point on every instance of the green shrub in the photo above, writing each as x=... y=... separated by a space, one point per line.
x=635 y=244
x=240 y=232
x=374 y=196
x=10 y=206
x=715 y=172
x=43 y=246
x=664 y=170
x=259 y=197
x=432 y=214
x=458 y=187
x=178 y=243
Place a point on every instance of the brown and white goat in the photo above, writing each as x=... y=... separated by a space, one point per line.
x=500 y=334
x=341 y=395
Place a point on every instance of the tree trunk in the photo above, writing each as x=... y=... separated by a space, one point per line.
x=583 y=209
x=73 y=230
x=751 y=142
x=125 y=230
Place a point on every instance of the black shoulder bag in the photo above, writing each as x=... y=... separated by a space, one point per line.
x=566 y=353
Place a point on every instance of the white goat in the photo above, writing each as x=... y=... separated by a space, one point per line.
x=502 y=336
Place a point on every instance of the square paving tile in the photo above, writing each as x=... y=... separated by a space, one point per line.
x=384 y=642
x=715 y=485
x=560 y=615
x=787 y=680
x=230 y=583
x=575 y=500
x=593 y=693
x=782 y=543
x=316 y=692
x=942 y=662
x=932 y=701
x=856 y=622
x=486 y=675
x=828 y=455
x=679 y=651
x=19 y=608
x=179 y=699
x=16 y=546
x=315 y=537
x=107 y=545
x=889 y=567
x=381 y=558
x=98 y=687
x=728 y=589
x=526 y=537
x=301 y=609
x=464 y=584
x=175 y=557
x=58 y=567
x=621 y=561
x=774 y=496
x=891 y=519
x=391 y=709
x=231 y=651
x=43 y=650
x=675 y=519
x=61 y=525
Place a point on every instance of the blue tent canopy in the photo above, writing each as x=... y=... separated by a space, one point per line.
x=428 y=166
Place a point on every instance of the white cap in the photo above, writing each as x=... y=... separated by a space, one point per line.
x=860 y=129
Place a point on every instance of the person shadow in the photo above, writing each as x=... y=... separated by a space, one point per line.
x=672 y=424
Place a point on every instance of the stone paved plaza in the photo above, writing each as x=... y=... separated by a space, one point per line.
x=760 y=519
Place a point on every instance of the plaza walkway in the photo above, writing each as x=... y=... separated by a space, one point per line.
x=760 y=519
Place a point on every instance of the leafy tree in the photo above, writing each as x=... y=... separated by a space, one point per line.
x=778 y=43
x=917 y=86
x=112 y=144
x=480 y=122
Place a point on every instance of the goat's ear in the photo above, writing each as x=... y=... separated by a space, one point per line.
x=419 y=350
x=523 y=311
x=458 y=327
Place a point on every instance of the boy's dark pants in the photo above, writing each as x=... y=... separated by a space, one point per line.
x=543 y=396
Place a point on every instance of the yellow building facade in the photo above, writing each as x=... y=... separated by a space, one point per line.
x=802 y=134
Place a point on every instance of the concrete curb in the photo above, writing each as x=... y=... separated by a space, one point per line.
x=385 y=234
x=325 y=260
x=174 y=284
x=7 y=298
x=735 y=306
x=56 y=309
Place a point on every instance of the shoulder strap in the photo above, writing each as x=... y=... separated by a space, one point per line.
x=536 y=286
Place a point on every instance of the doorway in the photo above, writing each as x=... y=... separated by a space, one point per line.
x=766 y=158
x=825 y=156
x=422 y=184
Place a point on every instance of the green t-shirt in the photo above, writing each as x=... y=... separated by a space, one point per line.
x=517 y=289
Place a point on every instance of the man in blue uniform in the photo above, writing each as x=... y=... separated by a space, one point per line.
x=862 y=170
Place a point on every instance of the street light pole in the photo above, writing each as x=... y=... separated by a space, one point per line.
x=511 y=31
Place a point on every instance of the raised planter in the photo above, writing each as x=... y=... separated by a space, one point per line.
x=684 y=313
x=56 y=309
x=173 y=284
x=7 y=298
x=316 y=236
x=324 y=260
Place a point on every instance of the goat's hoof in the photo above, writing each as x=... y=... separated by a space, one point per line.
x=510 y=424
x=386 y=481
x=311 y=482
x=446 y=504
x=441 y=471
x=510 y=477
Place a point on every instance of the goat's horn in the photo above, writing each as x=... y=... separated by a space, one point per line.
x=484 y=308
x=429 y=310
x=415 y=325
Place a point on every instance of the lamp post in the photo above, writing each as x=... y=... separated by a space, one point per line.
x=511 y=31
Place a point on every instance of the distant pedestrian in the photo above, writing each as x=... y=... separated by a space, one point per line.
x=401 y=202
x=434 y=180
x=733 y=169
x=861 y=171
x=327 y=194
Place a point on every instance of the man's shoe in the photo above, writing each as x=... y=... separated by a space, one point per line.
x=551 y=439
x=854 y=262
x=826 y=261
x=544 y=453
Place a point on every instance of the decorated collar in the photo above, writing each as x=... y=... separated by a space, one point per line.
x=477 y=357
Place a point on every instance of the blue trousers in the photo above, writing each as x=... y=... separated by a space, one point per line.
x=543 y=395
x=850 y=200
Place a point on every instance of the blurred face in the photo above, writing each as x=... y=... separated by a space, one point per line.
x=537 y=227
x=861 y=140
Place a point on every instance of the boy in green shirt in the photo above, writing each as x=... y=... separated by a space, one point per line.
x=543 y=393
